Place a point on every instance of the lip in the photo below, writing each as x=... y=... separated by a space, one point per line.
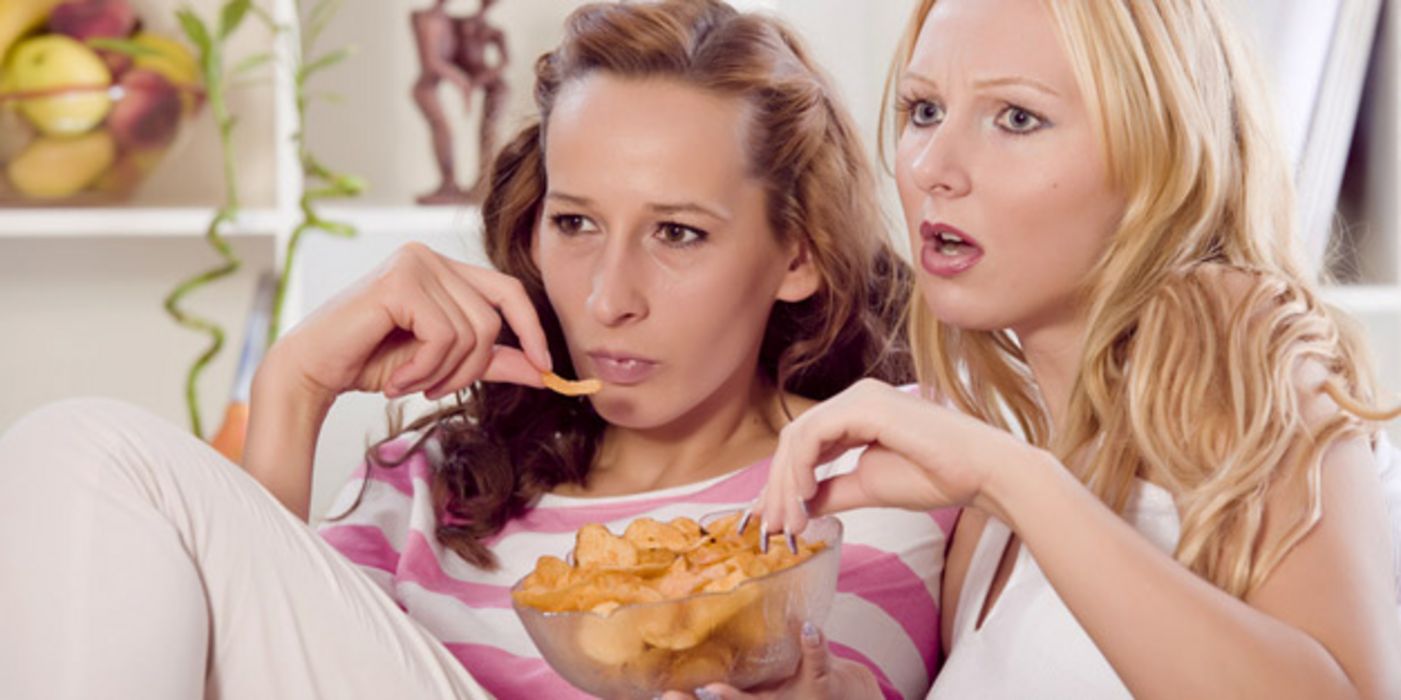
x=940 y=265
x=622 y=368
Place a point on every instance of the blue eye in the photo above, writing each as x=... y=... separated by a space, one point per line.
x=923 y=112
x=1019 y=121
x=679 y=235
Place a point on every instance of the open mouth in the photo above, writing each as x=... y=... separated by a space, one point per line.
x=947 y=251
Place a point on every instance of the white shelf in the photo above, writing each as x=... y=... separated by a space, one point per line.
x=408 y=220
x=192 y=221
x=122 y=221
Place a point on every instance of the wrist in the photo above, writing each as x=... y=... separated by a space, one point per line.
x=1018 y=478
x=280 y=384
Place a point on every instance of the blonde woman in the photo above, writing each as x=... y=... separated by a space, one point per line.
x=688 y=218
x=1100 y=214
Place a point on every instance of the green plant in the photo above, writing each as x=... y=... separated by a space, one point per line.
x=209 y=46
x=321 y=182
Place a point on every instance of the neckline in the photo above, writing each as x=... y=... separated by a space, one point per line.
x=987 y=556
x=554 y=499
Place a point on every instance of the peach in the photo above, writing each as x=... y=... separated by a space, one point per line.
x=148 y=113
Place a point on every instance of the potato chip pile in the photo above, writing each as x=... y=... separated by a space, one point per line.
x=703 y=625
x=654 y=561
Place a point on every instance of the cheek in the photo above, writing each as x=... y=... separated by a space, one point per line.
x=911 y=196
x=566 y=282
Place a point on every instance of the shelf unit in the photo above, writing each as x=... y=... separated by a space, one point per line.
x=83 y=287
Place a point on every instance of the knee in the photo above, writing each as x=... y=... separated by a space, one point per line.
x=75 y=426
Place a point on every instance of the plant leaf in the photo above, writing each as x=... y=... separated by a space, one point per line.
x=195 y=30
x=247 y=83
x=266 y=18
x=336 y=228
x=232 y=15
x=122 y=46
x=325 y=61
x=318 y=18
x=251 y=63
x=351 y=185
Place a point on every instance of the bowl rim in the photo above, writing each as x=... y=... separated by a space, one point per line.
x=832 y=548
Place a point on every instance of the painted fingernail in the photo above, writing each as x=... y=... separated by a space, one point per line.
x=809 y=634
x=706 y=694
x=744 y=522
x=792 y=542
x=763 y=537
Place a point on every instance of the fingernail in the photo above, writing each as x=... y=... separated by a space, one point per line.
x=706 y=694
x=744 y=522
x=792 y=542
x=809 y=634
x=763 y=537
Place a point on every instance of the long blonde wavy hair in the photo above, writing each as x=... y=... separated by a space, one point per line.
x=1188 y=373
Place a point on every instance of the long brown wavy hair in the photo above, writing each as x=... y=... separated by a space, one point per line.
x=505 y=445
x=1200 y=311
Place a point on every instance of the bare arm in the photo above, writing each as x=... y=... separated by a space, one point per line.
x=1324 y=624
x=284 y=422
x=420 y=323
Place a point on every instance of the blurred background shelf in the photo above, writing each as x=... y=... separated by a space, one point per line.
x=131 y=221
x=119 y=222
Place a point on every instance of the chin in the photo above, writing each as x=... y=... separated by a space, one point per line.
x=965 y=314
x=626 y=412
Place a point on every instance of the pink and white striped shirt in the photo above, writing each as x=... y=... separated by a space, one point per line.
x=885 y=613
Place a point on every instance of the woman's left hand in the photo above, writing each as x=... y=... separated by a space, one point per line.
x=920 y=456
x=818 y=677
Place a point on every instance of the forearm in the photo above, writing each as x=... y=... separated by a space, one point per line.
x=1166 y=631
x=283 y=425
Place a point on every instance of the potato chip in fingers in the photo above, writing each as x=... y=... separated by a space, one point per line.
x=581 y=387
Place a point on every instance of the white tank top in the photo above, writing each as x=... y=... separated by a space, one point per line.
x=1031 y=646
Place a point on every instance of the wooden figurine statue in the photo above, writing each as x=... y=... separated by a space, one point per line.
x=455 y=49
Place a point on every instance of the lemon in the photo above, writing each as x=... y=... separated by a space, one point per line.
x=54 y=61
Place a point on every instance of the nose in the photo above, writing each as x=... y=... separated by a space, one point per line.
x=616 y=297
x=939 y=166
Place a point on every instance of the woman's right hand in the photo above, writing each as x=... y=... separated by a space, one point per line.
x=419 y=323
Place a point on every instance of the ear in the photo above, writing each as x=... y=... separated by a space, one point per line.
x=801 y=280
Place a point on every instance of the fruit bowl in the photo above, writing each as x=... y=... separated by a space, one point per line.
x=745 y=636
x=90 y=101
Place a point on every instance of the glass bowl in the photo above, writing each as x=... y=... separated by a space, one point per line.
x=745 y=637
x=89 y=104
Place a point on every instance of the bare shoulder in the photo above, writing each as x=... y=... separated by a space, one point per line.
x=1337 y=583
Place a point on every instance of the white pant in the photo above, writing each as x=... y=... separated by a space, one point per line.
x=135 y=562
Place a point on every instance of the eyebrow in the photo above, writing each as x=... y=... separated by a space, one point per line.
x=991 y=82
x=663 y=208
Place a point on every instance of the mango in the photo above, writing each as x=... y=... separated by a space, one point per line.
x=54 y=167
